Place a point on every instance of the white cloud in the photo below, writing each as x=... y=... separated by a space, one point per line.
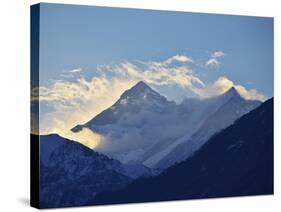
x=71 y=73
x=223 y=84
x=213 y=61
x=75 y=70
x=179 y=58
x=159 y=75
x=86 y=136
x=251 y=94
x=218 y=54
x=75 y=102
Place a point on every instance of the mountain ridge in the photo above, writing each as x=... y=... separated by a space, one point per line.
x=139 y=93
x=217 y=121
x=145 y=126
x=237 y=161
x=67 y=170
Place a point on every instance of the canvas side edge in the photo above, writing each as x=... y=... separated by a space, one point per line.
x=34 y=106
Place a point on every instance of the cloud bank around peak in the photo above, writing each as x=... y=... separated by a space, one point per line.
x=71 y=102
x=223 y=84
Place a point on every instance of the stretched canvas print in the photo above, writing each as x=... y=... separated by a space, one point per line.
x=131 y=105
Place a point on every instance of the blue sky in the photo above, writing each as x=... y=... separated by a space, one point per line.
x=86 y=43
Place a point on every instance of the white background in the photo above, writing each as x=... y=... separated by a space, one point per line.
x=14 y=103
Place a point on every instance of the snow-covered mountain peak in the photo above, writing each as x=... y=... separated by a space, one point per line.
x=142 y=126
x=140 y=92
x=141 y=86
x=232 y=93
x=137 y=90
x=134 y=102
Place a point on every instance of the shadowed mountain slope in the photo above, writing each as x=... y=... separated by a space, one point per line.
x=236 y=161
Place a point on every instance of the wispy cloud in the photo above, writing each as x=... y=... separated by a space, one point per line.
x=76 y=101
x=160 y=75
x=71 y=73
x=218 y=54
x=223 y=84
x=75 y=70
x=72 y=102
x=214 y=60
x=179 y=58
